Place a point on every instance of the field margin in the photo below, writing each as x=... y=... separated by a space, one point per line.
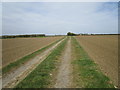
x=25 y=59
x=87 y=73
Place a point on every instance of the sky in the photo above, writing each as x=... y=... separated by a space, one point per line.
x=59 y=17
x=60 y=0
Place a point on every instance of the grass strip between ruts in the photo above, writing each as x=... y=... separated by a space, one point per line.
x=40 y=77
x=19 y=62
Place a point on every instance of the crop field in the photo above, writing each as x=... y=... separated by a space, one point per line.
x=61 y=62
x=104 y=51
x=14 y=49
x=60 y=45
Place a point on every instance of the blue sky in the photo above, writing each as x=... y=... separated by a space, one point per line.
x=59 y=17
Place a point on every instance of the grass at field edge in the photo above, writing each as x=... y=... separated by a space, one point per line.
x=90 y=76
x=19 y=62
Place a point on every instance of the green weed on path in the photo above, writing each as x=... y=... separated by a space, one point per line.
x=87 y=73
x=40 y=77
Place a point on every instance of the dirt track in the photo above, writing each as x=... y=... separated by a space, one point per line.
x=14 y=49
x=104 y=51
x=10 y=80
x=64 y=76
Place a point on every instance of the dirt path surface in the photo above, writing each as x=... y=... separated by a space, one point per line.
x=12 y=79
x=15 y=49
x=104 y=51
x=64 y=76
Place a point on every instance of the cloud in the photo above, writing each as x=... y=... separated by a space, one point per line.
x=59 y=18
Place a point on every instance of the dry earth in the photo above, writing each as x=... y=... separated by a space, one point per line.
x=104 y=51
x=14 y=77
x=14 y=49
x=64 y=76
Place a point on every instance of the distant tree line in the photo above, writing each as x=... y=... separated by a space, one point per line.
x=71 y=34
x=86 y=34
x=16 y=36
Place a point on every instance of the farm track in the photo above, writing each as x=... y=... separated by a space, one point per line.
x=64 y=76
x=15 y=49
x=70 y=74
x=14 y=77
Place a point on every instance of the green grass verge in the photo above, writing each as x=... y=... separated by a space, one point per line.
x=19 y=62
x=87 y=71
x=40 y=77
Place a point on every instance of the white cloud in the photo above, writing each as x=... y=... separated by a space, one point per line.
x=58 y=18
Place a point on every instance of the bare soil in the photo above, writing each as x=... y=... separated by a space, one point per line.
x=104 y=51
x=14 y=49
x=64 y=75
x=14 y=77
